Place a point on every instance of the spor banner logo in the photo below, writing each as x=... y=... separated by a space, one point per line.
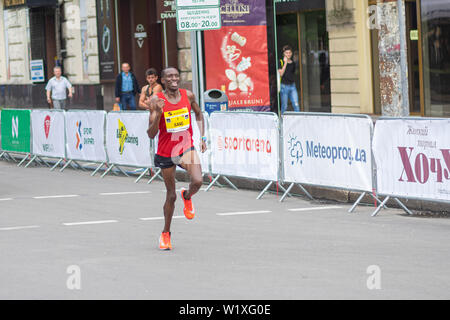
x=79 y=145
x=83 y=135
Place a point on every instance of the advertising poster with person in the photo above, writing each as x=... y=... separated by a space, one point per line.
x=236 y=55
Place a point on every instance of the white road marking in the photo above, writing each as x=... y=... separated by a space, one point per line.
x=123 y=193
x=179 y=189
x=314 y=208
x=56 y=197
x=18 y=228
x=159 y=218
x=89 y=222
x=242 y=213
x=6 y=199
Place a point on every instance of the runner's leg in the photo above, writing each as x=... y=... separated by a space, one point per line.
x=191 y=163
x=169 y=206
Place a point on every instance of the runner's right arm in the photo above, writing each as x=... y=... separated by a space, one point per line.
x=156 y=107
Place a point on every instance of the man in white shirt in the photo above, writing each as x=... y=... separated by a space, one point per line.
x=57 y=89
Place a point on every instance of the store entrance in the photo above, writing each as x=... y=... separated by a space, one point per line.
x=139 y=36
x=305 y=32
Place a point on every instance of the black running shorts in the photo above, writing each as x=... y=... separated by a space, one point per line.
x=169 y=162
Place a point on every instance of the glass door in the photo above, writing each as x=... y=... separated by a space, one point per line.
x=288 y=35
x=305 y=32
x=315 y=64
x=435 y=27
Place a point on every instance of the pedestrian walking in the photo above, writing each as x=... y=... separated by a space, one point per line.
x=57 y=88
x=288 y=88
x=126 y=88
x=149 y=90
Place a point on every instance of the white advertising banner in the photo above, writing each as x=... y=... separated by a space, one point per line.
x=85 y=134
x=127 y=142
x=328 y=151
x=48 y=133
x=245 y=144
x=413 y=158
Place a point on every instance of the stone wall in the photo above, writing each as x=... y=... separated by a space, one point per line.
x=349 y=40
x=81 y=66
x=3 y=51
x=185 y=59
x=16 y=64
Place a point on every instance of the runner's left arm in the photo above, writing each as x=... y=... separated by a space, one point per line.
x=199 y=117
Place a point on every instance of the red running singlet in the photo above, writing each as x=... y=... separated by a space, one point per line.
x=175 y=127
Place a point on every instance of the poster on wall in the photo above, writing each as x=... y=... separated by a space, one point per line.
x=236 y=56
x=106 y=34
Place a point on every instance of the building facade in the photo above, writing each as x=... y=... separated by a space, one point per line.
x=353 y=56
x=89 y=39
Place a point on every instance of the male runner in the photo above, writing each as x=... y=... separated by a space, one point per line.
x=170 y=115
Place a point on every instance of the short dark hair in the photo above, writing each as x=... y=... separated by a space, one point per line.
x=287 y=48
x=163 y=72
x=151 y=72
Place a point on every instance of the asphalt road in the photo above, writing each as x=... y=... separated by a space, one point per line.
x=56 y=227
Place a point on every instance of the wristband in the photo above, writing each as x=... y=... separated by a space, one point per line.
x=204 y=138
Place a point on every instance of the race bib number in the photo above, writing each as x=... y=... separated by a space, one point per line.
x=177 y=120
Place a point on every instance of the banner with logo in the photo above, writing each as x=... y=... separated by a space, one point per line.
x=331 y=151
x=127 y=142
x=236 y=55
x=413 y=158
x=85 y=135
x=48 y=133
x=16 y=130
x=245 y=145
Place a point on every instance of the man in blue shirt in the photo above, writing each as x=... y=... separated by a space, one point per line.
x=126 y=88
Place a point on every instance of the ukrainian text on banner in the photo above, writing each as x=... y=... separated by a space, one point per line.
x=127 y=142
x=85 y=134
x=236 y=55
x=328 y=151
x=413 y=158
x=48 y=133
x=245 y=145
x=16 y=130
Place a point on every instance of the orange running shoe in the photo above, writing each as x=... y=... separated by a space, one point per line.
x=164 y=241
x=188 y=210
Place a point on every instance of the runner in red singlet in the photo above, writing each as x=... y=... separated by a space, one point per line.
x=170 y=116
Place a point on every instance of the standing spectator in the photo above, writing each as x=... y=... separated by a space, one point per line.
x=286 y=68
x=126 y=88
x=57 y=90
x=149 y=90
